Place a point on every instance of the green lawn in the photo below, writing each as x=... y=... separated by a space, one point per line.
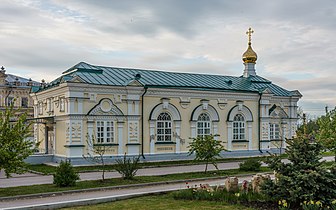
x=46 y=169
x=162 y=202
x=23 y=190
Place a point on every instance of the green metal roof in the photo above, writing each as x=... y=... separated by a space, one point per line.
x=101 y=75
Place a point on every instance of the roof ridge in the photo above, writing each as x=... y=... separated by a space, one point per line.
x=156 y=70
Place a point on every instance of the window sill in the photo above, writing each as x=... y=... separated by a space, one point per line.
x=239 y=141
x=106 y=144
x=275 y=140
x=129 y=144
x=74 y=145
x=165 y=142
x=264 y=140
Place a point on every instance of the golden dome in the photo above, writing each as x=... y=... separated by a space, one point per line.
x=249 y=55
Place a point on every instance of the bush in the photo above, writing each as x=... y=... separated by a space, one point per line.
x=217 y=194
x=65 y=175
x=127 y=167
x=250 y=165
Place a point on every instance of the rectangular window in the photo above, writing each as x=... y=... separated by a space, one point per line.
x=274 y=131
x=164 y=131
x=105 y=132
x=238 y=131
x=24 y=102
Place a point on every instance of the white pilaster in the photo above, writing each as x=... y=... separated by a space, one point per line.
x=249 y=128
x=215 y=129
x=193 y=129
x=120 y=138
x=54 y=138
x=152 y=135
x=90 y=134
x=71 y=105
x=178 y=133
x=229 y=132
x=80 y=105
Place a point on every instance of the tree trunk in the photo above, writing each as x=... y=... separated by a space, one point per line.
x=103 y=164
x=206 y=167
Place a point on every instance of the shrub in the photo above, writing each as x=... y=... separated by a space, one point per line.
x=250 y=165
x=65 y=175
x=220 y=194
x=127 y=167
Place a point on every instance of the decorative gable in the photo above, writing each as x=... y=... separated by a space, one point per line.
x=105 y=107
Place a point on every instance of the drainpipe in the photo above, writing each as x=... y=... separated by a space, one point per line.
x=142 y=122
x=259 y=120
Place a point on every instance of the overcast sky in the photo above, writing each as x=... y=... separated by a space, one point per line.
x=295 y=39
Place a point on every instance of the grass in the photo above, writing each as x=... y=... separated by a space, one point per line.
x=328 y=153
x=44 y=188
x=161 y=202
x=47 y=169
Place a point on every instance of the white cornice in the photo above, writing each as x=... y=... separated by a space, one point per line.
x=201 y=94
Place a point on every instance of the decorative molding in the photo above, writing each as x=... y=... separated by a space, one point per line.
x=165 y=102
x=76 y=130
x=205 y=104
x=133 y=131
x=184 y=102
x=222 y=103
x=105 y=107
x=160 y=108
x=245 y=111
x=200 y=109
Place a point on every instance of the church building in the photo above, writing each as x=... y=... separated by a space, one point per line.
x=156 y=113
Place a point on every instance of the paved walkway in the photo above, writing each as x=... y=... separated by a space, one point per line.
x=33 y=179
x=86 y=198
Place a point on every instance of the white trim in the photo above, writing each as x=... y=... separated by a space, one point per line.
x=210 y=110
x=244 y=111
x=172 y=110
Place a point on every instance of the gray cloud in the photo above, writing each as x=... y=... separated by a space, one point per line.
x=294 y=39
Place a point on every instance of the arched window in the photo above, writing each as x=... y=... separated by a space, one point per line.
x=239 y=127
x=164 y=127
x=203 y=125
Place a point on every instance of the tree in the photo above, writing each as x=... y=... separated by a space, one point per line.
x=304 y=178
x=327 y=131
x=14 y=147
x=311 y=128
x=96 y=152
x=206 y=149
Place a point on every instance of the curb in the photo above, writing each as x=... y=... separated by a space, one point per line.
x=52 y=194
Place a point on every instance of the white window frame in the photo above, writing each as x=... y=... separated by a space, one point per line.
x=274 y=131
x=203 y=125
x=164 y=127
x=239 y=128
x=105 y=132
